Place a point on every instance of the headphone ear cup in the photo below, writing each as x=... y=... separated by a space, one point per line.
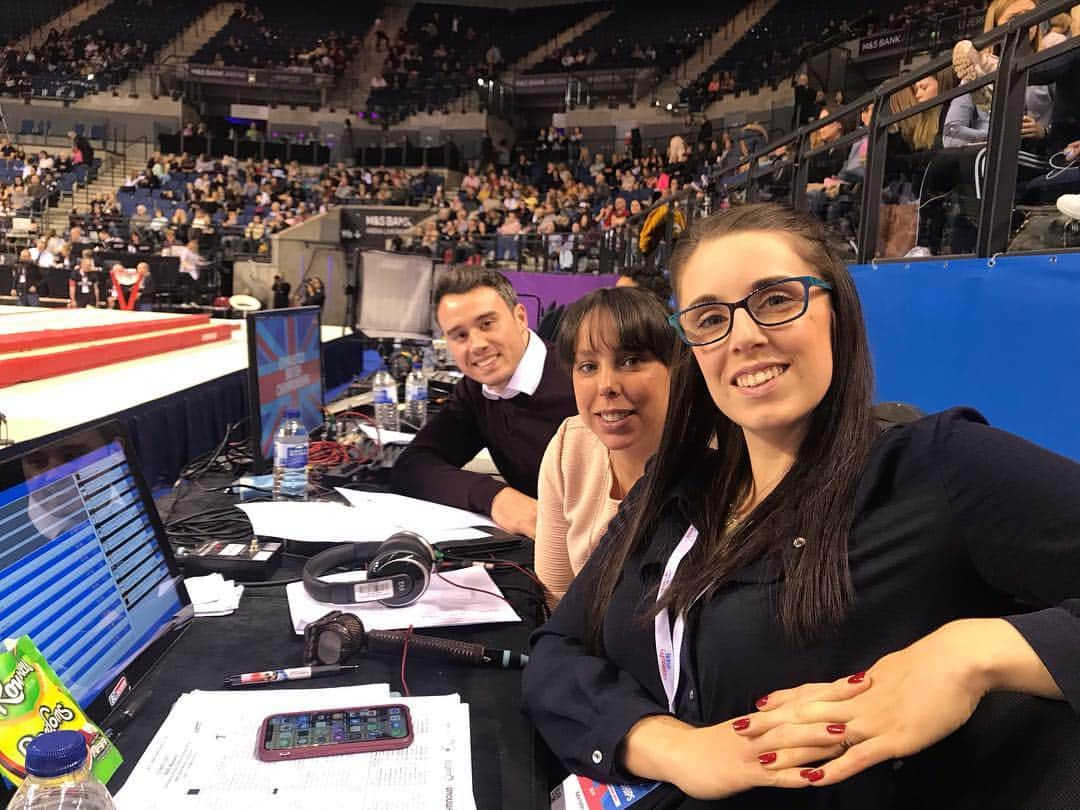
x=405 y=554
x=404 y=541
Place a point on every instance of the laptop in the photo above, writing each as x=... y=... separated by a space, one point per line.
x=85 y=567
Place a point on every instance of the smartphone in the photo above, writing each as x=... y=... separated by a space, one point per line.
x=298 y=735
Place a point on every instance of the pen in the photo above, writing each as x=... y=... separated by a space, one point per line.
x=292 y=674
x=118 y=720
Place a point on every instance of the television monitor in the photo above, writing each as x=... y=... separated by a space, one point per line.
x=285 y=372
x=395 y=292
x=85 y=566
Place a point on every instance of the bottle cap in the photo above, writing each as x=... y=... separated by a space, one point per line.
x=56 y=753
x=292 y=413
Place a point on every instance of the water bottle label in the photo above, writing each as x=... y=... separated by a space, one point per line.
x=418 y=395
x=383 y=396
x=291 y=456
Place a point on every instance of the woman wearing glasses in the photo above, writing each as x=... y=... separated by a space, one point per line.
x=617 y=345
x=815 y=598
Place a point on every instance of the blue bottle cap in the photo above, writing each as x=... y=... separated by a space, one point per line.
x=292 y=413
x=56 y=753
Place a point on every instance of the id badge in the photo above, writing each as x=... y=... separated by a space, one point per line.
x=85 y=288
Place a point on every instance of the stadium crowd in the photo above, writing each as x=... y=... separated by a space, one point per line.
x=249 y=40
x=91 y=57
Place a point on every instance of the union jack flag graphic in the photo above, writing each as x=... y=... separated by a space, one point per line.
x=290 y=372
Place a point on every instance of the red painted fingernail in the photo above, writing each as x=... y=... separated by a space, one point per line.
x=742 y=724
x=767 y=759
x=761 y=702
x=805 y=773
x=836 y=728
x=815 y=775
x=858 y=677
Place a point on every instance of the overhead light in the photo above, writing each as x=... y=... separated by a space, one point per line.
x=670 y=106
x=480 y=82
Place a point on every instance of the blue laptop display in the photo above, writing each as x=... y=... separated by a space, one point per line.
x=85 y=568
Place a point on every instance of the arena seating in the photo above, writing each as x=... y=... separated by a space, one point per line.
x=274 y=35
x=123 y=37
x=642 y=34
x=22 y=18
x=445 y=49
x=771 y=51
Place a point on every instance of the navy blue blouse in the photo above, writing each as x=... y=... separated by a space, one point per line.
x=953 y=519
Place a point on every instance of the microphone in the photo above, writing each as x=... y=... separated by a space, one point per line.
x=392 y=642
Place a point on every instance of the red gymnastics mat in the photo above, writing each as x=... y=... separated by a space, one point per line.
x=40 y=344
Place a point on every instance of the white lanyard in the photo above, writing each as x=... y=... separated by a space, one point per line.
x=669 y=647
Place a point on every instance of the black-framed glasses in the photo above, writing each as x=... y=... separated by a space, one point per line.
x=772 y=304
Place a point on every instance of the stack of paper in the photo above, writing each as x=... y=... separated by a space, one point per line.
x=203 y=757
x=213 y=595
x=370 y=517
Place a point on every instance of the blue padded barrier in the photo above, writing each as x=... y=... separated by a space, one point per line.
x=1000 y=335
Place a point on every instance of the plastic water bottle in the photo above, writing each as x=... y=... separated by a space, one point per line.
x=428 y=366
x=290 y=459
x=384 y=394
x=59 y=776
x=416 y=397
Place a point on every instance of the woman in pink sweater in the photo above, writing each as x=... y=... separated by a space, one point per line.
x=617 y=346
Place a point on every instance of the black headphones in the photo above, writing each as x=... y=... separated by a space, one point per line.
x=398 y=571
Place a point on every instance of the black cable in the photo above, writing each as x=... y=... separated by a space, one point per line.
x=270 y=583
x=228 y=524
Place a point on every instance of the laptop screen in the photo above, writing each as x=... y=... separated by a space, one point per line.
x=85 y=570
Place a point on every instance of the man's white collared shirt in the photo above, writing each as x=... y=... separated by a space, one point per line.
x=526 y=377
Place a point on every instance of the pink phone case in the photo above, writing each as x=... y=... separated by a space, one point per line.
x=330 y=749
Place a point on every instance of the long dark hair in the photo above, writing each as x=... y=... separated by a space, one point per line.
x=814 y=500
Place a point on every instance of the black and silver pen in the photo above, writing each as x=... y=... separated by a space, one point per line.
x=291 y=674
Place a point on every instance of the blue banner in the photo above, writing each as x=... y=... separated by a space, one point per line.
x=1002 y=336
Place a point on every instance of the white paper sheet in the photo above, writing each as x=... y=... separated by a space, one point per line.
x=412 y=513
x=203 y=757
x=443 y=605
x=316 y=522
x=213 y=595
x=365 y=521
x=387 y=436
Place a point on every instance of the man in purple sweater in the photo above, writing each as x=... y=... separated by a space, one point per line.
x=512 y=399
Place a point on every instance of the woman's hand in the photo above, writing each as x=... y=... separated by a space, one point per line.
x=1030 y=128
x=918 y=696
x=714 y=762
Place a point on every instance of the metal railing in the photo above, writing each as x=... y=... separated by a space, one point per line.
x=782 y=169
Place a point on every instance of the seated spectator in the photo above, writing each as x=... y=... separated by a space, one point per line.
x=41 y=255
x=511 y=400
x=831 y=200
x=159 y=222
x=618 y=347
x=140 y=220
x=202 y=222
x=923 y=131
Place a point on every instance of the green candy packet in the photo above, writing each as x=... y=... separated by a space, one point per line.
x=33 y=700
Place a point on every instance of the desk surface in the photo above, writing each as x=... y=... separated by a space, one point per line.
x=509 y=760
